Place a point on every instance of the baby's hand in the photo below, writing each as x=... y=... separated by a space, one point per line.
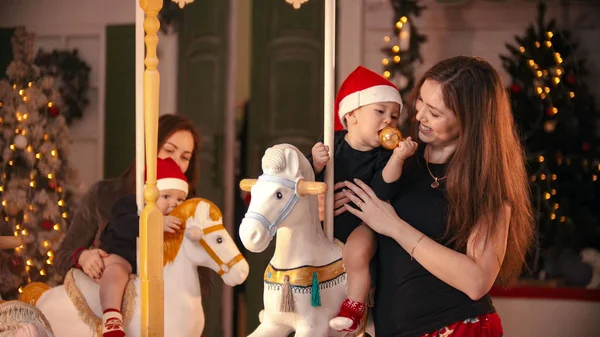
x=320 y=154
x=405 y=149
x=171 y=224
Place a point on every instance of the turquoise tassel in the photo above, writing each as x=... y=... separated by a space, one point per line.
x=316 y=291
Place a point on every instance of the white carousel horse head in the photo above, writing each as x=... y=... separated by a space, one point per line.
x=74 y=309
x=287 y=184
x=208 y=243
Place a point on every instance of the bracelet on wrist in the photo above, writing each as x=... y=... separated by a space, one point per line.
x=412 y=251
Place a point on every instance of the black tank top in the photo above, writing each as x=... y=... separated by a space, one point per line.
x=410 y=301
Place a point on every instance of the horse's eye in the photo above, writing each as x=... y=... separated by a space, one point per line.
x=278 y=195
x=219 y=240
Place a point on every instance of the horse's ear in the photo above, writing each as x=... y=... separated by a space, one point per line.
x=202 y=211
x=292 y=162
x=193 y=233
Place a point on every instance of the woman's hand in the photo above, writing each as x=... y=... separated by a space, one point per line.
x=91 y=262
x=376 y=213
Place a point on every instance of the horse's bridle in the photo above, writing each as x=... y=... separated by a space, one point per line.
x=285 y=211
x=224 y=268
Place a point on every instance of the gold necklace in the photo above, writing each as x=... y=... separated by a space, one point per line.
x=435 y=183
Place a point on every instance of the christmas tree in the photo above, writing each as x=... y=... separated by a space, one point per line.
x=559 y=126
x=36 y=182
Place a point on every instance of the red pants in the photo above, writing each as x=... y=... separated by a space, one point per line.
x=483 y=326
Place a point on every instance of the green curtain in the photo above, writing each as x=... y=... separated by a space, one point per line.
x=119 y=125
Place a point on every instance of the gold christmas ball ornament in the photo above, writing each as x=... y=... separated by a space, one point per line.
x=390 y=138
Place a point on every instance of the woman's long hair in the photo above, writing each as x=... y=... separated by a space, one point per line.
x=487 y=171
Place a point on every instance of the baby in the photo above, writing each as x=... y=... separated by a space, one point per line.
x=120 y=236
x=366 y=103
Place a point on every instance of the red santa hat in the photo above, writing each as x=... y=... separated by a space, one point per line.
x=169 y=176
x=363 y=87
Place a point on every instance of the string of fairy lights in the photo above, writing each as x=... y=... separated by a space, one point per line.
x=403 y=43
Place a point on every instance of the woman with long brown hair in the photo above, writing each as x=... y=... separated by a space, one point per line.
x=462 y=219
x=177 y=139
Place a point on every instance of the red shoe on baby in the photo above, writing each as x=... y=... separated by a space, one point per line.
x=350 y=316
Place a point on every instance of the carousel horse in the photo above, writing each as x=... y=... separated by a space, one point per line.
x=305 y=281
x=73 y=309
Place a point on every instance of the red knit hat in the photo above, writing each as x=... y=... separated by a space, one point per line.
x=363 y=87
x=169 y=176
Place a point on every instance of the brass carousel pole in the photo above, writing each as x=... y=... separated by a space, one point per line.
x=151 y=232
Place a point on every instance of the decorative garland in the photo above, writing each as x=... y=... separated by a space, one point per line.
x=72 y=77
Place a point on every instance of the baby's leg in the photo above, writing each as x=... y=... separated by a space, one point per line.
x=112 y=286
x=357 y=255
x=358 y=251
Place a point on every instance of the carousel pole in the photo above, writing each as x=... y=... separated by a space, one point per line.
x=139 y=107
x=328 y=114
x=328 y=102
x=151 y=233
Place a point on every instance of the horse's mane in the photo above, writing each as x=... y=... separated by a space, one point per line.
x=172 y=241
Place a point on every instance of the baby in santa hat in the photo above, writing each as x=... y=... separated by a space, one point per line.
x=365 y=104
x=120 y=236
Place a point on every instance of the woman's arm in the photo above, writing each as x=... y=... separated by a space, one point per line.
x=472 y=273
x=81 y=231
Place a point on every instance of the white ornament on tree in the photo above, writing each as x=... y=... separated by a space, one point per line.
x=21 y=142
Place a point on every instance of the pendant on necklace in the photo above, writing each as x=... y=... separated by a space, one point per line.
x=435 y=184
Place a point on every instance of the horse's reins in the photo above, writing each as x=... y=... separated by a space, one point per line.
x=224 y=268
x=285 y=211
